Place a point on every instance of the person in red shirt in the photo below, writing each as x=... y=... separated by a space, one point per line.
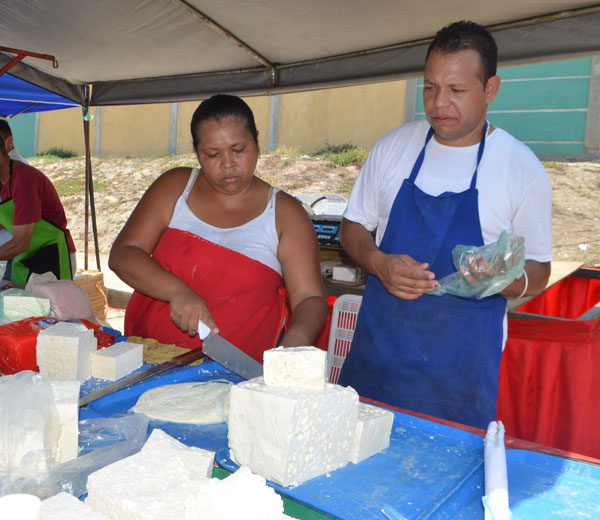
x=32 y=212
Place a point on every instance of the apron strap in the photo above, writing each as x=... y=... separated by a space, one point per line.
x=419 y=162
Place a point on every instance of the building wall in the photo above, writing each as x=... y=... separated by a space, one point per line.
x=63 y=129
x=358 y=115
x=23 y=130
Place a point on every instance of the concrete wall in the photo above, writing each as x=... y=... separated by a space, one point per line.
x=304 y=122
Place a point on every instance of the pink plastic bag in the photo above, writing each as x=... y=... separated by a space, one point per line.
x=67 y=299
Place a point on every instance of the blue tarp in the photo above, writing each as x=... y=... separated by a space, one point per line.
x=20 y=97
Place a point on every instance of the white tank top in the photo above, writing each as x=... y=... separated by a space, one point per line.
x=255 y=239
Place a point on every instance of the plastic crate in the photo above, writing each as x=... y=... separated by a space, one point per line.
x=343 y=324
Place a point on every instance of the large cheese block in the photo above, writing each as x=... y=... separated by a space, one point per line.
x=66 y=397
x=116 y=361
x=295 y=367
x=241 y=495
x=372 y=433
x=289 y=435
x=63 y=351
x=65 y=506
x=153 y=484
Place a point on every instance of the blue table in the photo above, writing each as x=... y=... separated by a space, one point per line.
x=430 y=470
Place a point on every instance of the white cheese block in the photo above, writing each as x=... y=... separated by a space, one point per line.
x=195 y=459
x=295 y=367
x=289 y=435
x=372 y=433
x=116 y=361
x=66 y=397
x=63 y=351
x=344 y=273
x=20 y=506
x=241 y=495
x=18 y=304
x=153 y=484
x=65 y=506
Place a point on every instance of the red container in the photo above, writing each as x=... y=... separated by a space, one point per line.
x=18 y=340
x=549 y=384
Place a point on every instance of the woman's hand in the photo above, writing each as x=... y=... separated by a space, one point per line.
x=187 y=307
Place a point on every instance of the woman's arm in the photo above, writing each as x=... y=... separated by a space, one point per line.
x=299 y=257
x=130 y=256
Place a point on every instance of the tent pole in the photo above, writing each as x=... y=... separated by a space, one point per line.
x=86 y=137
x=89 y=189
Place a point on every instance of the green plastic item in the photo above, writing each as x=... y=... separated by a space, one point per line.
x=483 y=271
x=47 y=241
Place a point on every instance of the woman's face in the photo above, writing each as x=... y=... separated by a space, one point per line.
x=227 y=153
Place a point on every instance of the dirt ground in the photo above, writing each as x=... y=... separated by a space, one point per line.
x=120 y=182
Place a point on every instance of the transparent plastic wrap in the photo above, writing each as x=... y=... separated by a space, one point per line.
x=485 y=270
x=29 y=431
x=18 y=304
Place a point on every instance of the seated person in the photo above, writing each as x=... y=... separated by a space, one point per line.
x=32 y=212
x=217 y=243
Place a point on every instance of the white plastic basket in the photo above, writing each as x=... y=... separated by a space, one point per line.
x=343 y=322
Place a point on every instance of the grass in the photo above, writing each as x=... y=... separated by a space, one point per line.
x=342 y=155
x=70 y=187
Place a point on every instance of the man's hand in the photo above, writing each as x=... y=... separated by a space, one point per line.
x=405 y=277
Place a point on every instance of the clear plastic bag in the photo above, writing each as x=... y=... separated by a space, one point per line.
x=17 y=304
x=485 y=270
x=29 y=431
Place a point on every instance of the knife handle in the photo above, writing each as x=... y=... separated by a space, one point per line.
x=203 y=330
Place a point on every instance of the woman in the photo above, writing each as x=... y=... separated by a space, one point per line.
x=217 y=243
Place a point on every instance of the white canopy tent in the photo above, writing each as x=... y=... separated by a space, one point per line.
x=145 y=51
x=114 y=52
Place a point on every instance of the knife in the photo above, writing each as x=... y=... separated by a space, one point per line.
x=227 y=354
x=177 y=361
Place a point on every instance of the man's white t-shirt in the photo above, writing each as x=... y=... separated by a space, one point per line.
x=514 y=189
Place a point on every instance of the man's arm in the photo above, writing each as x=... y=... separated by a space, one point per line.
x=537 y=278
x=19 y=242
x=403 y=276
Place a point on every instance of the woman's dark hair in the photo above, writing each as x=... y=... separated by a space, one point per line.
x=464 y=35
x=219 y=106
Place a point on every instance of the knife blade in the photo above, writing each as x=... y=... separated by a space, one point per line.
x=177 y=361
x=227 y=354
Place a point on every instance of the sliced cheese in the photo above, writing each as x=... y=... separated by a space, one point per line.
x=66 y=397
x=63 y=351
x=372 y=433
x=290 y=435
x=190 y=403
x=295 y=367
x=21 y=506
x=116 y=361
x=65 y=506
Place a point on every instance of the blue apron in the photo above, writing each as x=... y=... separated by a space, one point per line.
x=438 y=355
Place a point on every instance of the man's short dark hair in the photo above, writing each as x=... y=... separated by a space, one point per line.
x=465 y=35
x=2 y=146
x=5 y=130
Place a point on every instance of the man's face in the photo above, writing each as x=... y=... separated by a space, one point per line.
x=455 y=97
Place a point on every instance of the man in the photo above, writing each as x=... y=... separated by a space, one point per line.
x=6 y=134
x=428 y=186
x=32 y=212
